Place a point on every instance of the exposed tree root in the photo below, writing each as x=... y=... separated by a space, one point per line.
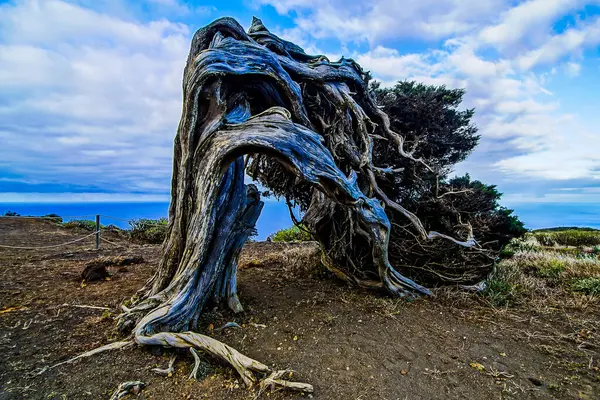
x=194 y=373
x=126 y=388
x=169 y=370
x=110 y=346
x=275 y=383
x=244 y=365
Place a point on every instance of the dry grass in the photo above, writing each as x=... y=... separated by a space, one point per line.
x=295 y=257
x=568 y=237
x=546 y=276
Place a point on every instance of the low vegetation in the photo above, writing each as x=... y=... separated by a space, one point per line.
x=149 y=230
x=568 y=237
x=293 y=234
x=142 y=230
x=54 y=218
x=543 y=263
x=85 y=224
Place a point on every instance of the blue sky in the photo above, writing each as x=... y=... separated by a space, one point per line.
x=90 y=90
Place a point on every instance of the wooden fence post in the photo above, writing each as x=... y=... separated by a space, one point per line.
x=97 y=231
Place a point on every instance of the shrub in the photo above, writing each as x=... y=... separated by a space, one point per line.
x=11 y=214
x=587 y=286
x=53 y=217
x=149 y=230
x=86 y=224
x=293 y=234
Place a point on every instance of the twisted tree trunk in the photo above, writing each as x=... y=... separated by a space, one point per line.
x=312 y=121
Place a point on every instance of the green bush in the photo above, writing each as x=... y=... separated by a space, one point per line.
x=293 y=234
x=81 y=223
x=11 y=214
x=587 y=286
x=149 y=230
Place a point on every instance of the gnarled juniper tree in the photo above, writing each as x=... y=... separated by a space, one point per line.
x=309 y=129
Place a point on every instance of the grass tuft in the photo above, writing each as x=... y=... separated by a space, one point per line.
x=589 y=286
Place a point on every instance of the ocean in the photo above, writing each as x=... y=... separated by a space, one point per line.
x=275 y=214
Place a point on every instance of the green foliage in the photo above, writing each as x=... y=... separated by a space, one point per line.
x=500 y=292
x=587 y=286
x=551 y=270
x=437 y=130
x=54 y=218
x=430 y=115
x=149 y=230
x=86 y=224
x=11 y=214
x=569 y=237
x=292 y=234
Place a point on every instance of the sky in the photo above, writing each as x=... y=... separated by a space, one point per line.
x=90 y=90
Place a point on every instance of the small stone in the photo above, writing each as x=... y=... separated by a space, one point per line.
x=403 y=372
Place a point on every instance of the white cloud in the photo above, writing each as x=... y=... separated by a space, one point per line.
x=387 y=19
x=491 y=50
x=90 y=97
x=571 y=41
x=527 y=23
x=64 y=197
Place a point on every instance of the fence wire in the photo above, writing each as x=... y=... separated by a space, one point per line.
x=48 y=247
x=73 y=217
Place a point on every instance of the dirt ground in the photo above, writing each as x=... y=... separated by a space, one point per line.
x=348 y=343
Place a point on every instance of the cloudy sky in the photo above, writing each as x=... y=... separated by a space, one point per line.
x=90 y=90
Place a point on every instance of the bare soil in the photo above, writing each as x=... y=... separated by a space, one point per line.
x=349 y=343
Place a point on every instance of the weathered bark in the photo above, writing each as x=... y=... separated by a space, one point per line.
x=257 y=94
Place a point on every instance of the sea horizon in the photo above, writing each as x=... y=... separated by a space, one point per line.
x=275 y=215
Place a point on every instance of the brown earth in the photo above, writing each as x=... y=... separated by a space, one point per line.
x=349 y=343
